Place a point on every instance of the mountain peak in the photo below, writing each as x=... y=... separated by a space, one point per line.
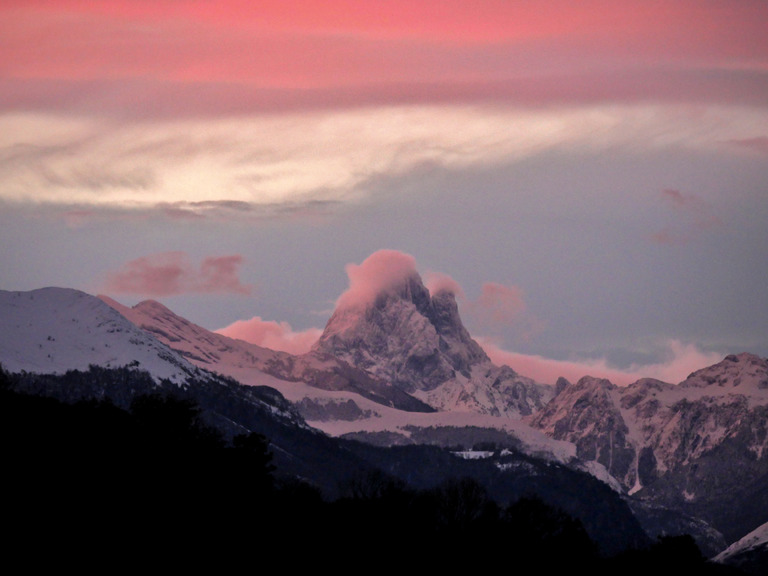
x=152 y=306
x=383 y=273
x=53 y=330
x=736 y=372
x=401 y=332
x=391 y=325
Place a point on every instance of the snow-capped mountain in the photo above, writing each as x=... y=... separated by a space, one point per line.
x=701 y=445
x=138 y=363
x=404 y=368
x=330 y=393
x=416 y=341
x=680 y=446
x=750 y=553
x=53 y=330
x=255 y=365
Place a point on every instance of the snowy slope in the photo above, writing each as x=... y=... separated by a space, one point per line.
x=53 y=330
x=316 y=385
x=757 y=539
x=749 y=554
x=256 y=365
x=699 y=446
x=198 y=345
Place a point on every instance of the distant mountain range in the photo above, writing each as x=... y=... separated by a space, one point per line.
x=401 y=370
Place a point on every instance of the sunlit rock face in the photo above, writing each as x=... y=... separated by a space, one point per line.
x=701 y=445
x=587 y=414
x=416 y=341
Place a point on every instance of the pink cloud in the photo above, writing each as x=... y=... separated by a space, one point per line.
x=439 y=282
x=758 y=144
x=220 y=274
x=171 y=273
x=273 y=335
x=500 y=303
x=682 y=359
x=380 y=272
x=695 y=216
x=498 y=306
x=501 y=307
x=547 y=370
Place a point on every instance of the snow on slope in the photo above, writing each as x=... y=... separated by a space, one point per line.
x=251 y=365
x=374 y=417
x=738 y=374
x=755 y=540
x=53 y=330
x=200 y=346
x=641 y=431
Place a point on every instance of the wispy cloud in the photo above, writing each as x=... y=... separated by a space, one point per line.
x=308 y=163
x=758 y=144
x=498 y=308
x=694 y=216
x=681 y=360
x=380 y=272
x=502 y=308
x=171 y=273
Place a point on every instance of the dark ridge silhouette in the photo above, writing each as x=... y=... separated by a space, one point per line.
x=92 y=485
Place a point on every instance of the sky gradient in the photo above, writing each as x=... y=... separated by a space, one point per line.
x=590 y=178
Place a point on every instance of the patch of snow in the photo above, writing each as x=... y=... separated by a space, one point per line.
x=758 y=538
x=473 y=454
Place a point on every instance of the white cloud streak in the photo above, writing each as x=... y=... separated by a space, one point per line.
x=319 y=156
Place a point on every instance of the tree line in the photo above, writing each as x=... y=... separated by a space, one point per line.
x=92 y=482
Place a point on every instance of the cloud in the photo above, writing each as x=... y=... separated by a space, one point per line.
x=758 y=144
x=498 y=303
x=312 y=164
x=681 y=359
x=273 y=335
x=171 y=273
x=695 y=217
x=437 y=282
x=498 y=307
x=380 y=272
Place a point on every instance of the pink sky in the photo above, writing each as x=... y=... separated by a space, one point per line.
x=202 y=56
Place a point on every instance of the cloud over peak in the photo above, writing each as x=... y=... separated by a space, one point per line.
x=381 y=271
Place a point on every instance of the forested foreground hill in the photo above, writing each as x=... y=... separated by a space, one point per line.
x=92 y=484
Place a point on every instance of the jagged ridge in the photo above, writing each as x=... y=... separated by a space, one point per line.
x=418 y=343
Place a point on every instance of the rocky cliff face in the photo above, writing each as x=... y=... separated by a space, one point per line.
x=587 y=414
x=417 y=342
x=232 y=357
x=701 y=445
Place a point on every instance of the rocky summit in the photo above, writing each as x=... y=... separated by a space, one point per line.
x=416 y=341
